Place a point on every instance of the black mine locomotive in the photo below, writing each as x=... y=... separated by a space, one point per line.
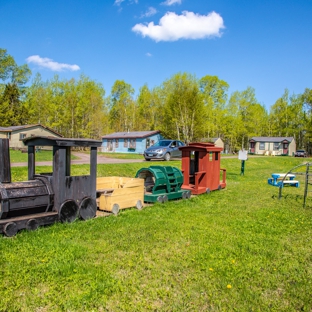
x=46 y=197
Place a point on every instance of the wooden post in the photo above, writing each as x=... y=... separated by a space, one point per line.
x=5 y=165
x=243 y=167
x=93 y=169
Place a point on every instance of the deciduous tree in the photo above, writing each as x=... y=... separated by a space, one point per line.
x=183 y=109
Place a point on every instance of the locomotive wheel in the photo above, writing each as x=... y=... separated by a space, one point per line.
x=165 y=198
x=87 y=208
x=10 y=229
x=68 y=211
x=139 y=205
x=115 y=209
x=188 y=194
x=207 y=190
x=219 y=188
x=184 y=195
x=32 y=225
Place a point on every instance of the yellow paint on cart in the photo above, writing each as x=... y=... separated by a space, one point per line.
x=115 y=193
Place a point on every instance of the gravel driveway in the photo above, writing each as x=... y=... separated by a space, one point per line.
x=84 y=158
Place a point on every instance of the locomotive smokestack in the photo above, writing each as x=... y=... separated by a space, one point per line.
x=5 y=165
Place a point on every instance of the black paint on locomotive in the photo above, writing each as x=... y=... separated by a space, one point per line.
x=47 y=197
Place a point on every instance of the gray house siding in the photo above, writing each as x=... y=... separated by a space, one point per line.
x=130 y=142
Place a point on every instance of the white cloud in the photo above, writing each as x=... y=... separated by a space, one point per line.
x=148 y=54
x=171 y=2
x=118 y=2
x=50 y=64
x=189 y=25
x=151 y=11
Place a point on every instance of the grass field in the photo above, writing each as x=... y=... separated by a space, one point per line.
x=238 y=249
x=18 y=156
x=122 y=155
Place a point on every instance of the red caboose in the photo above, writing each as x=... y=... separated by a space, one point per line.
x=201 y=168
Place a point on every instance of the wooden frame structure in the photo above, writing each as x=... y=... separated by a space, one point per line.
x=72 y=194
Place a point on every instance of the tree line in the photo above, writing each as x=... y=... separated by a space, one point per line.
x=182 y=107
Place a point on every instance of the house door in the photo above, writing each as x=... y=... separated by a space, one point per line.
x=252 y=147
x=109 y=145
x=285 y=148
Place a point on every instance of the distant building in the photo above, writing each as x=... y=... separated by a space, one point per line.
x=16 y=134
x=218 y=142
x=130 y=142
x=272 y=146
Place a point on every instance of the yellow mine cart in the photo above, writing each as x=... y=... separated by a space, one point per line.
x=115 y=193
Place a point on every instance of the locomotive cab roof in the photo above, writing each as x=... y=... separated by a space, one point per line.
x=55 y=141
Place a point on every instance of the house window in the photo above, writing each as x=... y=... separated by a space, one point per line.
x=132 y=143
x=22 y=136
x=116 y=143
x=148 y=143
x=276 y=146
x=262 y=146
x=125 y=142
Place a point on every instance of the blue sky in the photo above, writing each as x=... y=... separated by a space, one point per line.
x=265 y=44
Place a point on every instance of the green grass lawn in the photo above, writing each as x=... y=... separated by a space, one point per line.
x=238 y=249
x=18 y=156
x=122 y=155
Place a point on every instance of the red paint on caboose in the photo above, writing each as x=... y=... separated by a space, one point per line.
x=201 y=168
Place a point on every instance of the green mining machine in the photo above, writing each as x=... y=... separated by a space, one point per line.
x=162 y=183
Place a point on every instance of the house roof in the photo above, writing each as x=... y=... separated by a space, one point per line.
x=271 y=139
x=130 y=135
x=16 y=128
x=213 y=140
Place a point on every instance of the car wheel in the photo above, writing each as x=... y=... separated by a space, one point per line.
x=167 y=157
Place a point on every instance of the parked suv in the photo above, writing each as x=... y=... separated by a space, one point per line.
x=164 y=149
x=301 y=153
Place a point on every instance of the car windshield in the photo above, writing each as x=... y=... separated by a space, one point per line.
x=162 y=143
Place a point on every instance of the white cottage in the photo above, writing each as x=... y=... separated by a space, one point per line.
x=272 y=146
